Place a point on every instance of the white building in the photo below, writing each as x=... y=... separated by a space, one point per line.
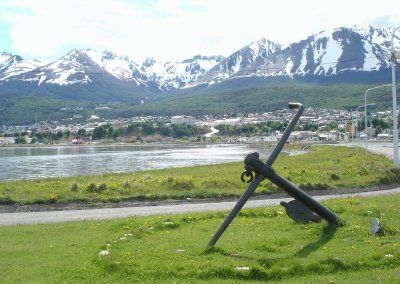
x=228 y=121
x=183 y=119
x=7 y=140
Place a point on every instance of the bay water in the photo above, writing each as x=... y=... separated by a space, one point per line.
x=18 y=163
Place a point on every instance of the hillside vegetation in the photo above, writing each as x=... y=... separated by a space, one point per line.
x=262 y=99
x=232 y=98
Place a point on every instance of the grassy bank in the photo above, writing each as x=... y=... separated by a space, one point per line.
x=260 y=245
x=324 y=167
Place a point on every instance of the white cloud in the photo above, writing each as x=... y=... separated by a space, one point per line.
x=179 y=29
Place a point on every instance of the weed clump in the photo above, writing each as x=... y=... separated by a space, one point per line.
x=363 y=171
x=334 y=177
x=92 y=187
x=102 y=187
x=180 y=184
x=316 y=186
x=390 y=176
x=75 y=187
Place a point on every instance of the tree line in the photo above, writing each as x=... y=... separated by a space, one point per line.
x=107 y=131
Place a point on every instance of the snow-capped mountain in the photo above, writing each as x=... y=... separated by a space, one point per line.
x=248 y=61
x=121 y=67
x=84 y=74
x=12 y=65
x=341 y=50
x=328 y=54
x=176 y=75
x=85 y=66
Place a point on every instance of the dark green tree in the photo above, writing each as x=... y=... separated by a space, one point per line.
x=99 y=132
x=81 y=132
x=148 y=128
x=115 y=133
x=166 y=131
x=20 y=140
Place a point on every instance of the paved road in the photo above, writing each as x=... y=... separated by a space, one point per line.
x=23 y=218
x=381 y=148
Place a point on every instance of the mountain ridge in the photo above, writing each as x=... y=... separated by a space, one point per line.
x=343 y=52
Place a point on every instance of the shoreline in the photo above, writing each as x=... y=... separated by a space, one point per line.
x=93 y=151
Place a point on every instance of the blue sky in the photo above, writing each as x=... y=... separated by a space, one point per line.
x=174 y=29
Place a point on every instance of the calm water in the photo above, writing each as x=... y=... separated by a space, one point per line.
x=43 y=162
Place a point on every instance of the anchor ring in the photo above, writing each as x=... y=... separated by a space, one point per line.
x=247 y=174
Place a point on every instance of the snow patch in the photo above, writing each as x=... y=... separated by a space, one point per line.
x=41 y=79
x=371 y=63
x=331 y=57
x=289 y=66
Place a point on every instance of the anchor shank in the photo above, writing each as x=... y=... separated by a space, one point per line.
x=243 y=199
x=286 y=133
x=259 y=178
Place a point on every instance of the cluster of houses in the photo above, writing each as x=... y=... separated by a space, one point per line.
x=346 y=125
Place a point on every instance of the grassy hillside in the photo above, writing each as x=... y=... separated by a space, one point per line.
x=264 y=98
x=19 y=110
x=236 y=96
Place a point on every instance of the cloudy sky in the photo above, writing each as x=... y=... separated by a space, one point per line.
x=175 y=29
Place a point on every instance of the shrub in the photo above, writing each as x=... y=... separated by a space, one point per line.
x=390 y=176
x=101 y=187
x=334 y=177
x=75 y=187
x=92 y=187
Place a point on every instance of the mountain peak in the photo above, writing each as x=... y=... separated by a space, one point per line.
x=359 y=48
x=150 y=61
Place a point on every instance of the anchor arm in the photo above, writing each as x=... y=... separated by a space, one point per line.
x=252 y=161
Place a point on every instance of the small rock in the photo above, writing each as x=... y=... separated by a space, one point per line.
x=376 y=228
x=104 y=253
x=242 y=268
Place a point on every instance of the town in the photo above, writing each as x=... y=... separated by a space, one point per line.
x=314 y=125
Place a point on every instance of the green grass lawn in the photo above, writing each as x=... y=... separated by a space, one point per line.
x=324 y=167
x=260 y=245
